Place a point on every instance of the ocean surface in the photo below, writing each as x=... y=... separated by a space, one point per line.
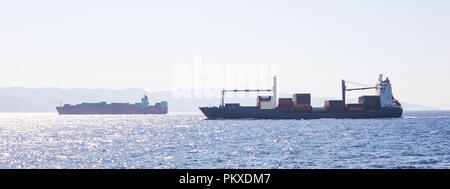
x=187 y=140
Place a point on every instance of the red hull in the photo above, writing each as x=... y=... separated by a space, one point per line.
x=111 y=110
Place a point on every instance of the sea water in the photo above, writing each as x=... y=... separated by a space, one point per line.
x=188 y=140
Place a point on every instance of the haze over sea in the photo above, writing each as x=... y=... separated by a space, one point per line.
x=185 y=140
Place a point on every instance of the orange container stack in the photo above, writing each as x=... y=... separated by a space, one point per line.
x=285 y=104
x=334 y=105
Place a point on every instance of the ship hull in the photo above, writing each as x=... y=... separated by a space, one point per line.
x=131 y=110
x=256 y=113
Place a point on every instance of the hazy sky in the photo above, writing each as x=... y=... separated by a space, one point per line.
x=125 y=44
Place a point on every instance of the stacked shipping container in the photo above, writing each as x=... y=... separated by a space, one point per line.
x=334 y=105
x=285 y=104
x=369 y=102
x=303 y=98
x=302 y=101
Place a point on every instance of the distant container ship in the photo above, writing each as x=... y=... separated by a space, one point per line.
x=115 y=108
x=381 y=105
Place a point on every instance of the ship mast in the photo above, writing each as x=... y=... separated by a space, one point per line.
x=275 y=91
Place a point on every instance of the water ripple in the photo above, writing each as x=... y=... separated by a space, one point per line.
x=419 y=140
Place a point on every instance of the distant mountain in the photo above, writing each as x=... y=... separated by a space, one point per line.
x=16 y=104
x=417 y=107
x=46 y=99
x=17 y=99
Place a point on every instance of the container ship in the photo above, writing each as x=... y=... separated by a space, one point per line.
x=115 y=108
x=381 y=105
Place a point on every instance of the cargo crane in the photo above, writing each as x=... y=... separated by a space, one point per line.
x=243 y=90
x=274 y=89
x=344 y=89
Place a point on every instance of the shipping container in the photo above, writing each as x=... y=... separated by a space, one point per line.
x=334 y=103
x=302 y=105
x=120 y=105
x=305 y=107
x=285 y=104
x=285 y=101
x=302 y=98
x=369 y=100
x=354 y=105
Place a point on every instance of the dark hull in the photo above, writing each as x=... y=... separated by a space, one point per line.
x=256 y=113
x=129 y=110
